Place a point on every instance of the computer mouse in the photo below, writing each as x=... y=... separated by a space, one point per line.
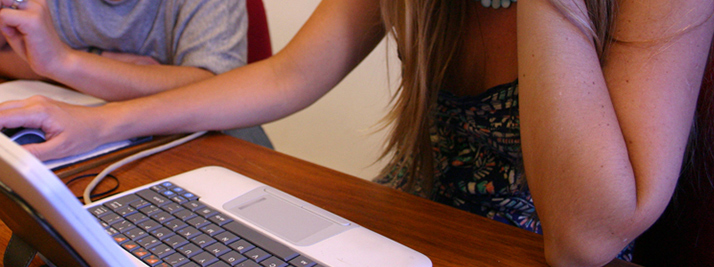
x=24 y=136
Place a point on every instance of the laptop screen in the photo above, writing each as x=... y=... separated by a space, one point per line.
x=32 y=229
x=32 y=196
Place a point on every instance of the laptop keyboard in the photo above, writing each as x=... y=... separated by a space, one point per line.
x=165 y=225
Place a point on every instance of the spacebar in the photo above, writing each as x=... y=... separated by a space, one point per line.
x=279 y=250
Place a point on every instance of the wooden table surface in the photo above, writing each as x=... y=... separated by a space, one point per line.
x=449 y=237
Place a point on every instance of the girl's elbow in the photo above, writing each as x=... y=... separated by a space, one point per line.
x=580 y=251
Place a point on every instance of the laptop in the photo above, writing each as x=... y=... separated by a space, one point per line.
x=210 y=216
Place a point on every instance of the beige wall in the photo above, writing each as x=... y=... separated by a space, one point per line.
x=339 y=130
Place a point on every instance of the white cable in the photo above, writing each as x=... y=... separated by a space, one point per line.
x=88 y=190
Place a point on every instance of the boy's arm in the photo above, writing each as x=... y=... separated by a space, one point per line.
x=31 y=33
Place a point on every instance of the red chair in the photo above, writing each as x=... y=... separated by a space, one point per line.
x=259 y=46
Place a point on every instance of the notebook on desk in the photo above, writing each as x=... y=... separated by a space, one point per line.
x=206 y=217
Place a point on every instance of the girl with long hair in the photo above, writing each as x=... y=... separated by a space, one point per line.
x=565 y=117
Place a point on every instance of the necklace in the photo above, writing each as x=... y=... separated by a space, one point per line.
x=497 y=3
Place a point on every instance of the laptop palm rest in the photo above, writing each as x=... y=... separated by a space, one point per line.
x=287 y=217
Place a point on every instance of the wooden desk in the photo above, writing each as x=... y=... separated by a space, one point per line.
x=449 y=237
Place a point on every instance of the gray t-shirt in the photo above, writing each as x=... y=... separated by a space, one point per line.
x=209 y=34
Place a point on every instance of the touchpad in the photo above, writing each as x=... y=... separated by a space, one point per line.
x=285 y=216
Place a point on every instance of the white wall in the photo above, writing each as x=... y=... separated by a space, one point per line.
x=339 y=131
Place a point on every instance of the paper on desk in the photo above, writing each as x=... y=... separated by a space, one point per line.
x=21 y=89
x=101 y=150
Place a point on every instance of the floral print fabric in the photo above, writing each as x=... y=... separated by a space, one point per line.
x=477 y=158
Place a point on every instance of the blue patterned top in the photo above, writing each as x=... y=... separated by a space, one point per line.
x=477 y=159
x=477 y=156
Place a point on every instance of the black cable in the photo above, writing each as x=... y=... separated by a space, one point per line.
x=100 y=194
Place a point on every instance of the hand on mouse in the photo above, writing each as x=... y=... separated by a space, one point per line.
x=69 y=129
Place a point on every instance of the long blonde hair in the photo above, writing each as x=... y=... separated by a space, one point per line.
x=428 y=34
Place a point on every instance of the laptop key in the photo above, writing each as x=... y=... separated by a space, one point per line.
x=220 y=219
x=135 y=233
x=193 y=205
x=184 y=215
x=148 y=241
x=120 y=238
x=162 y=250
x=140 y=253
x=189 y=250
x=162 y=217
x=203 y=240
x=178 y=190
x=257 y=254
x=125 y=211
x=137 y=218
x=121 y=202
x=153 y=197
x=176 y=259
x=179 y=199
x=207 y=212
x=233 y=258
x=281 y=251
x=162 y=233
x=172 y=207
x=157 y=188
x=204 y=259
x=113 y=205
x=98 y=211
x=111 y=231
x=139 y=204
x=129 y=246
x=150 y=210
x=189 y=196
x=175 y=225
x=273 y=262
x=175 y=241
x=217 y=249
x=241 y=246
x=123 y=225
x=188 y=232
x=149 y=225
x=226 y=237
x=302 y=261
x=110 y=217
x=212 y=229
x=152 y=260
x=168 y=193
x=198 y=222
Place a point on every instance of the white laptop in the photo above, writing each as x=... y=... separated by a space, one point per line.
x=206 y=217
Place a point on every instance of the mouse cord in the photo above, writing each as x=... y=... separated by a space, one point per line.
x=88 y=190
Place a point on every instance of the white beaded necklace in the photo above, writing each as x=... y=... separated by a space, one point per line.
x=497 y=3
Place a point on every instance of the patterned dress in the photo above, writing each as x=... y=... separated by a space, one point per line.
x=477 y=158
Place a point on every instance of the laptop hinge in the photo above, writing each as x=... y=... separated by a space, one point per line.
x=18 y=253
